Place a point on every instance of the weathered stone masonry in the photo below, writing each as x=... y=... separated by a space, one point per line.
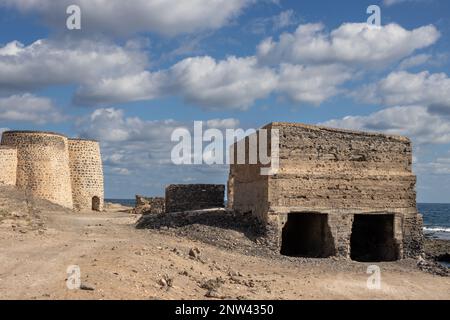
x=337 y=192
x=185 y=197
x=87 y=174
x=8 y=166
x=47 y=169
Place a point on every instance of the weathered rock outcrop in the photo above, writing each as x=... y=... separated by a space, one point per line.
x=149 y=205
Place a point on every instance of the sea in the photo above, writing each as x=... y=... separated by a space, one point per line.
x=436 y=217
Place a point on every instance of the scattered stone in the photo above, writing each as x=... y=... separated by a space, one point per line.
x=166 y=282
x=432 y=267
x=87 y=287
x=149 y=205
x=437 y=249
x=213 y=287
x=194 y=253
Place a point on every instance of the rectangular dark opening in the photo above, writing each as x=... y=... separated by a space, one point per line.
x=307 y=235
x=372 y=238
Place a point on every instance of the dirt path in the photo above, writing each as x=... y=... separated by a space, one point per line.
x=120 y=262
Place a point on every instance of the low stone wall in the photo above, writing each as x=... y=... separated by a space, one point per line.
x=149 y=205
x=184 y=197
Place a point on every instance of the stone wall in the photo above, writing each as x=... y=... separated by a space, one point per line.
x=86 y=171
x=185 y=197
x=42 y=164
x=8 y=165
x=149 y=205
x=336 y=172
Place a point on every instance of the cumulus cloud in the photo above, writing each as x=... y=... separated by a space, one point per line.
x=412 y=121
x=415 y=61
x=140 y=86
x=47 y=62
x=351 y=43
x=169 y=17
x=404 y=88
x=137 y=152
x=29 y=108
x=308 y=66
x=111 y=125
x=312 y=84
x=234 y=83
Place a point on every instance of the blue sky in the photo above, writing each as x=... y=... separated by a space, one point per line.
x=139 y=69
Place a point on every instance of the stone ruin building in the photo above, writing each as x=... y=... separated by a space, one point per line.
x=51 y=166
x=186 y=197
x=337 y=193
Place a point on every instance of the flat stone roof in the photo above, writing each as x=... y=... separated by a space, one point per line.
x=339 y=130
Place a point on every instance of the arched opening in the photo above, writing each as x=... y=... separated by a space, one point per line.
x=307 y=235
x=95 y=203
x=372 y=238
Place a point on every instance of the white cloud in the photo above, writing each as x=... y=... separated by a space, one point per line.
x=309 y=67
x=439 y=166
x=131 y=87
x=389 y=3
x=404 y=88
x=229 y=123
x=415 y=61
x=169 y=17
x=47 y=62
x=351 y=43
x=136 y=152
x=284 y=19
x=412 y=121
x=280 y=21
x=29 y=108
x=111 y=125
x=234 y=83
x=312 y=84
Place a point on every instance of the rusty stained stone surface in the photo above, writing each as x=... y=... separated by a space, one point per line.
x=336 y=172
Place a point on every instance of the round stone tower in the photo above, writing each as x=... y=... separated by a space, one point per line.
x=42 y=164
x=87 y=174
x=8 y=165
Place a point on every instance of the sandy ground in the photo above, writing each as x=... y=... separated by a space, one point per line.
x=121 y=262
